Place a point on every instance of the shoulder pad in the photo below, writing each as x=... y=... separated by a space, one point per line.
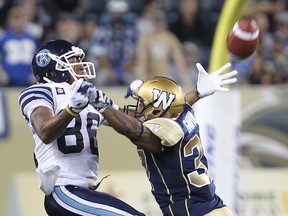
x=166 y=129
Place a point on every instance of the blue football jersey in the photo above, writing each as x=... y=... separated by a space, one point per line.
x=180 y=172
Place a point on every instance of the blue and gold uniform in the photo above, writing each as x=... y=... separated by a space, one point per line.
x=179 y=175
x=169 y=143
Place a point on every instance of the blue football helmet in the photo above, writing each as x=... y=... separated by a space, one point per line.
x=50 y=62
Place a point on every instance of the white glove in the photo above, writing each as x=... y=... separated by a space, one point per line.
x=99 y=100
x=79 y=97
x=133 y=88
x=207 y=84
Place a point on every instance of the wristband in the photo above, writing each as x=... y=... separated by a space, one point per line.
x=71 y=112
x=139 y=135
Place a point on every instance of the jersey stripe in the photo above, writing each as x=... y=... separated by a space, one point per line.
x=162 y=178
x=83 y=207
x=41 y=91
x=34 y=93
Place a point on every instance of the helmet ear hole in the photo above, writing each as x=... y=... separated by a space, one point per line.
x=156 y=112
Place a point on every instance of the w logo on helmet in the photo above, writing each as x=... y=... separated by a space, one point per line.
x=163 y=97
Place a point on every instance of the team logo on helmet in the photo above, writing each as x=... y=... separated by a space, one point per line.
x=42 y=58
x=163 y=97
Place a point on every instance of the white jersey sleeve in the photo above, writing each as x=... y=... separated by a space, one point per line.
x=33 y=96
x=166 y=129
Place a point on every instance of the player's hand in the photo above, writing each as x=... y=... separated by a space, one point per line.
x=99 y=100
x=79 y=96
x=207 y=84
x=133 y=88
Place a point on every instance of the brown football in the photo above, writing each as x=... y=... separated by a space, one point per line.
x=243 y=38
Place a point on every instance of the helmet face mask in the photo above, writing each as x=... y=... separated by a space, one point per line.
x=159 y=97
x=51 y=62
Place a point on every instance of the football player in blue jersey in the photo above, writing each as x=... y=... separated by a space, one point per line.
x=167 y=137
x=64 y=127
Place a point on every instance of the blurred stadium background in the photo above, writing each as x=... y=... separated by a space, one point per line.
x=244 y=134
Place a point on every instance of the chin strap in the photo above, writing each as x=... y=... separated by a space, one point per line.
x=47 y=80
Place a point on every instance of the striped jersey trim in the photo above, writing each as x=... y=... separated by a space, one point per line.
x=83 y=207
x=35 y=93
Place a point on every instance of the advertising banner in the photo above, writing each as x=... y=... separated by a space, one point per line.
x=219 y=117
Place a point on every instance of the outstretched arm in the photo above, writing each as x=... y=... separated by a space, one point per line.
x=133 y=129
x=125 y=124
x=192 y=97
x=207 y=84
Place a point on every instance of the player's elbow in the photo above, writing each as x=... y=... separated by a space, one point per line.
x=46 y=139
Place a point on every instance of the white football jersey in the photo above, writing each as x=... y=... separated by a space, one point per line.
x=76 y=151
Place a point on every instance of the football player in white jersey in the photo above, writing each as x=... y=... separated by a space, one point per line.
x=64 y=127
x=167 y=137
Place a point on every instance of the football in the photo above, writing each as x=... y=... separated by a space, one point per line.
x=243 y=39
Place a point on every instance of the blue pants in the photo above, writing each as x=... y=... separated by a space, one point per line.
x=73 y=200
x=190 y=207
